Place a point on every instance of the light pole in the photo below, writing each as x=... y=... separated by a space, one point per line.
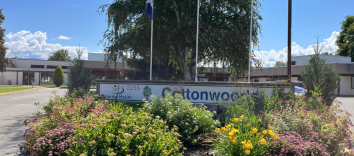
x=249 y=54
x=196 y=48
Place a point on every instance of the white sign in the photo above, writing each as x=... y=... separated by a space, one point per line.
x=206 y=94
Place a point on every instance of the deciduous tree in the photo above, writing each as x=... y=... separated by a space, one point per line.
x=3 y=60
x=345 y=40
x=60 y=55
x=223 y=32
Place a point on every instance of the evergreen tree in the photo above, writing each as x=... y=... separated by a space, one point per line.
x=58 y=76
x=321 y=75
x=78 y=75
x=3 y=60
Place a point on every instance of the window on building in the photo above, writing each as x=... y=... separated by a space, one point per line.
x=352 y=82
x=293 y=62
x=256 y=79
x=65 y=67
x=37 y=66
x=51 y=67
x=47 y=77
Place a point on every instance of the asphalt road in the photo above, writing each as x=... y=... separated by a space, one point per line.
x=14 y=109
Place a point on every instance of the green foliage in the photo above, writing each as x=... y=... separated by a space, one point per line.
x=3 y=60
x=320 y=74
x=124 y=132
x=221 y=28
x=60 y=55
x=243 y=136
x=280 y=63
x=58 y=76
x=345 y=39
x=78 y=76
x=191 y=121
x=330 y=125
x=162 y=69
x=251 y=104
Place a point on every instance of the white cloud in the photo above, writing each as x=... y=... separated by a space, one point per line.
x=270 y=57
x=25 y=44
x=64 y=38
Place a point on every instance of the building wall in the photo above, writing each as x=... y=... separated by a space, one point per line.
x=294 y=79
x=263 y=79
x=65 y=79
x=345 y=86
x=20 y=78
x=0 y=78
x=99 y=57
x=36 y=78
x=8 y=76
x=304 y=60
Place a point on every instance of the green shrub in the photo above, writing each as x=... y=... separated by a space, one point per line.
x=191 y=121
x=125 y=133
x=329 y=124
x=58 y=76
x=243 y=136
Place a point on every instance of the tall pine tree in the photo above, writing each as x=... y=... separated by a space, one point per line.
x=3 y=59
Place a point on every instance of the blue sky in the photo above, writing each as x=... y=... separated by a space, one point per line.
x=36 y=29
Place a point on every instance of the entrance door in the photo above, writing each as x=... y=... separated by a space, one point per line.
x=28 y=78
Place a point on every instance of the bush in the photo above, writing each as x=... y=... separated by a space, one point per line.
x=125 y=133
x=244 y=136
x=329 y=123
x=191 y=121
x=58 y=76
x=293 y=144
x=64 y=116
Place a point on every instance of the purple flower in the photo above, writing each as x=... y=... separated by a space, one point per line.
x=135 y=132
x=126 y=133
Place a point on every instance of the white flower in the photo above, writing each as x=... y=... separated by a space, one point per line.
x=170 y=102
x=186 y=123
x=157 y=117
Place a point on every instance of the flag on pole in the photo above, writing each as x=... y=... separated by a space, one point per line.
x=149 y=5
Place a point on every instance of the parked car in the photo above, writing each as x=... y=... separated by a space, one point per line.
x=299 y=84
x=299 y=90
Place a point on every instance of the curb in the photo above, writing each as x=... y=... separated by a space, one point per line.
x=19 y=91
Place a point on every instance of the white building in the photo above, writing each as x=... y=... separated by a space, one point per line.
x=95 y=56
x=341 y=65
x=40 y=72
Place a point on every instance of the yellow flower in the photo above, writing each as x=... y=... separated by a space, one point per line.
x=243 y=142
x=264 y=132
x=262 y=141
x=235 y=131
x=248 y=125
x=231 y=133
x=218 y=129
x=228 y=126
x=258 y=134
x=236 y=120
x=254 y=130
x=233 y=140
x=249 y=145
x=230 y=137
x=248 y=141
x=275 y=137
x=259 y=120
x=242 y=116
x=245 y=146
x=247 y=151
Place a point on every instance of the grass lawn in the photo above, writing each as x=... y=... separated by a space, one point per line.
x=5 y=86
x=13 y=89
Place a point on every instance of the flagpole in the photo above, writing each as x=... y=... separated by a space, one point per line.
x=196 y=49
x=249 y=54
x=152 y=24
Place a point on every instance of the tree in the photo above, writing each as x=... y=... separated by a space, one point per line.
x=321 y=75
x=280 y=63
x=3 y=60
x=58 y=76
x=162 y=70
x=60 y=55
x=223 y=32
x=78 y=75
x=345 y=40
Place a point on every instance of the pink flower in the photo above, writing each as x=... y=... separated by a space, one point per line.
x=279 y=103
x=287 y=101
x=57 y=116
